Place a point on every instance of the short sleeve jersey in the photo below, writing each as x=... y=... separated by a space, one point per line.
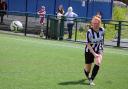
x=96 y=39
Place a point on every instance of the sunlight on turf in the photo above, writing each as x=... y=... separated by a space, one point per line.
x=33 y=63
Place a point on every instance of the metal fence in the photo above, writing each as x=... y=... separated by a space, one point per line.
x=116 y=31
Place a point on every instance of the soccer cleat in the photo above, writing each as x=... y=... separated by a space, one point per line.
x=91 y=82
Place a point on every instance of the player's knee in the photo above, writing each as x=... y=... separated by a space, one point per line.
x=98 y=61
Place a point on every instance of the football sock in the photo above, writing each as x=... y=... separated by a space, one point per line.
x=94 y=71
x=86 y=73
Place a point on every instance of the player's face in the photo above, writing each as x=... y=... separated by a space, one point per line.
x=95 y=24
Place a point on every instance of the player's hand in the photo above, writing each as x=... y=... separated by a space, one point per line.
x=98 y=59
x=96 y=55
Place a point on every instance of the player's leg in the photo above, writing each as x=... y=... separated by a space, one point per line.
x=71 y=27
x=87 y=69
x=42 y=30
x=89 y=59
x=96 y=67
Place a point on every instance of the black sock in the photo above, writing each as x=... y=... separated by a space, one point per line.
x=94 y=71
x=86 y=73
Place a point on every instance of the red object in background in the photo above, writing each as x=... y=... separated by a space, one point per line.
x=41 y=14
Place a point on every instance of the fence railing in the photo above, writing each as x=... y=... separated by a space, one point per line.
x=116 y=31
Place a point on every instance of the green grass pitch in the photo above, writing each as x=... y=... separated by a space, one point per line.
x=31 y=63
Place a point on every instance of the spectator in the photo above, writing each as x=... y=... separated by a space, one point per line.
x=3 y=8
x=70 y=15
x=60 y=13
x=41 y=14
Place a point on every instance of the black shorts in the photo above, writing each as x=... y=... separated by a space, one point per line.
x=89 y=58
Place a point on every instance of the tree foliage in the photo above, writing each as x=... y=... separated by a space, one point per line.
x=124 y=1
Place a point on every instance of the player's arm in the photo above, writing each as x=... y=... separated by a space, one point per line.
x=43 y=13
x=91 y=50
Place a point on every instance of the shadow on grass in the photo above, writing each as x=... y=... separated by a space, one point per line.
x=80 y=82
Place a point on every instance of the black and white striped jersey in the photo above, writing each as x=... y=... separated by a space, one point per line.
x=96 y=39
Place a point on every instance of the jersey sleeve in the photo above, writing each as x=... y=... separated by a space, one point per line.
x=88 y=37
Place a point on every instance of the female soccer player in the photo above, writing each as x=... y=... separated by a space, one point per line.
x=93 y=49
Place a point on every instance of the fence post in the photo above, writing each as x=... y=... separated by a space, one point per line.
x=26 y=14
x=119 y=34
x=104 y=25
x=61 y=28
x=47 y=27
x=76 y=30
x=26 y=23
